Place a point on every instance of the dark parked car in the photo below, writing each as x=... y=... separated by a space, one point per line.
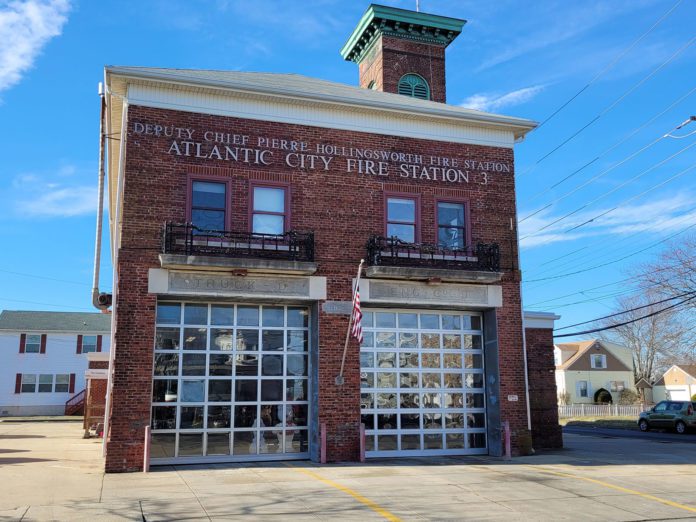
x=677 y=415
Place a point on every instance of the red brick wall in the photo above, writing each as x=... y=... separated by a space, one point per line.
x=98 y=365
x=343 y=209
x=546 y=432
x=391 y=58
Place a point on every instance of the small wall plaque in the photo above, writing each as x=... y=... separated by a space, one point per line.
x=336 y=307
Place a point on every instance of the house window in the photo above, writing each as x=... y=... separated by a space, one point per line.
x=62 y=383
x=45 y=383
x=28 y=383
x=209 y=205
x=415 y=86
x=451 y=225
x=598 y=361
x=269 y=214
x=89 y=343
x=618 y=386
x=582 y=388
x=33 y=344
x=402 y=214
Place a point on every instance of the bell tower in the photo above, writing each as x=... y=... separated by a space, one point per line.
x=402 y=51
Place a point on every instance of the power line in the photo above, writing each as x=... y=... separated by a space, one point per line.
x=610 y=106
x=606 y=151
x=627 y=182
x=44 y=277
x=45 y=304
x=611 y=65
x=686 y=216
x=613 y=261
x=611 y=327
x=627 y=311
x=672 y=178
x=582 y=292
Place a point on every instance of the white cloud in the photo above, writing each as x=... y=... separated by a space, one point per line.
x=25 y=28
x=61 y=202
x=493 y=102
x=657 y=217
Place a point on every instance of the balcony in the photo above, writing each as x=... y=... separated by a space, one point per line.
x=187 y=246
x=392 y=258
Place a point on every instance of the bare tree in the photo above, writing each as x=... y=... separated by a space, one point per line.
x=658 y=341
x=674 y=271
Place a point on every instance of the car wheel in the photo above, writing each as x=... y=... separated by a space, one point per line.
x=680 y=427
x=643 y=425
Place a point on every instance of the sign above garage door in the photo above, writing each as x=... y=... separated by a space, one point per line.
x=447 y=294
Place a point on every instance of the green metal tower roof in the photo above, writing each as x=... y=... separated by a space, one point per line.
x=401 y=23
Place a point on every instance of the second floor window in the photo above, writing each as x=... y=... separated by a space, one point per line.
x=402 y=218
x=451 y=225
x=598 y=361
x=269 y=210
x=89 y=343
x=33 y=344
x=209 y=205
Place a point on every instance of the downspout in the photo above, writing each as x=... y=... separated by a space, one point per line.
x=114 y=249
x=524 y=338
x=100 y=202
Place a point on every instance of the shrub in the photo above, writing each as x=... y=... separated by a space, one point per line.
x=693 y=397
x=628 y=397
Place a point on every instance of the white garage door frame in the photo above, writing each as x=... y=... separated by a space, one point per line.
x=452 y=417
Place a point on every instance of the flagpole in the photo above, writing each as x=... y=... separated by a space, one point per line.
x=339 y=377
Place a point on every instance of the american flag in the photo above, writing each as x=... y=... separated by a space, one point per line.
x=356 y=330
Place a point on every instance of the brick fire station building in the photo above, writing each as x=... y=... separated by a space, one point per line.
x=240 y=207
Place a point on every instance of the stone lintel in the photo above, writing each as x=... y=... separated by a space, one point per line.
x=425 y=274
x=231 y=264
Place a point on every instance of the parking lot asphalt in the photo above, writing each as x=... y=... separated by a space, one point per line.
x=48 y=472
x=658 y=435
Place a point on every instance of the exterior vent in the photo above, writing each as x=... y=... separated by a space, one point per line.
x=414 y=86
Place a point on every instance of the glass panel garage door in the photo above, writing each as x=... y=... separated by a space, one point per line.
x=230 y=382
x=422 y=383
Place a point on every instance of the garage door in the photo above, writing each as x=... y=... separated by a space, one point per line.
x=679 y=395
x=422 y=383
x=230 y=382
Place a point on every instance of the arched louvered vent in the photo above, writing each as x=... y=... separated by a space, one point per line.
x=415 y=86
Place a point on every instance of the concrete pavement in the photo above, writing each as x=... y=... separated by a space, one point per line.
x=48 y=472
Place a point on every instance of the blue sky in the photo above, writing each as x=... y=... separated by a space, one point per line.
x=518 y=58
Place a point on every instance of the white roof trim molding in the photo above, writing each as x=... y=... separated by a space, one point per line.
x=544 y=320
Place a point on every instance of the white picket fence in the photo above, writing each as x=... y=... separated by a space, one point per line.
x=600 y=410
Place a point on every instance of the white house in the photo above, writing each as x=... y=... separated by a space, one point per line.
x=585 y=369
x=677 y=384
x=43 y=358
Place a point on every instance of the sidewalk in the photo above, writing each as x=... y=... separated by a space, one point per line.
x=48 y=472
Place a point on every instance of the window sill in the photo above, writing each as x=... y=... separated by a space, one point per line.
x=424 y=274
x=226 y=264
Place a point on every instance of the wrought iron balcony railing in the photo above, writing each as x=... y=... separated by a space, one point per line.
x=391 y=251
x=187 y=239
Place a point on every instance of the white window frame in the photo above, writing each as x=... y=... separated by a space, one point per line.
x=35 y=345
x=66 y=384
x=602 y=366
x=89 y=347
x=283 y=404
x=26 y=377
x=42 y=377
x=580 y=389
x=422 y=410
